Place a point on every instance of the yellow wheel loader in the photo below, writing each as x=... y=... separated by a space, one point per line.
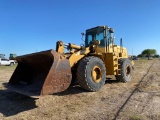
x=52 y=71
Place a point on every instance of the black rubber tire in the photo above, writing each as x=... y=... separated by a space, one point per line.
x=125 y=63
x=84 y=75
x=74 y=78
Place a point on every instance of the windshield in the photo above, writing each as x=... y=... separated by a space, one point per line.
x=93 y=35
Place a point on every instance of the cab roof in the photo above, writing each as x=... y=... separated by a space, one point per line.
x=91 y=29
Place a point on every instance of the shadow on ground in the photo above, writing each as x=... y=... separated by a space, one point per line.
x=76 y=89
x=12 y=103
x=111 y=81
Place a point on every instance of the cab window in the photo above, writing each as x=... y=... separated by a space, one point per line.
x=95 y=36
x=100 y=37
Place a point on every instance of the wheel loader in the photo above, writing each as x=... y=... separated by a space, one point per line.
x=52 y=71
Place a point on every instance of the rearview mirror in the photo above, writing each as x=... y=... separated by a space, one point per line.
x=111 y=30
x=82 y=34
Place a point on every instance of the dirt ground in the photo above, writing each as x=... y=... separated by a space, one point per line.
x=138 y=99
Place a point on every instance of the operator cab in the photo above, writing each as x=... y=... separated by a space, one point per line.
x=104 y=34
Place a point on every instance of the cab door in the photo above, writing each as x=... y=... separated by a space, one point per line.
x=101 y=48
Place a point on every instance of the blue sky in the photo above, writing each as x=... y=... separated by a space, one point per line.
x=27 y=26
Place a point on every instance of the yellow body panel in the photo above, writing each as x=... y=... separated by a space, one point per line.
x=110 y=57
x=100 y=50
x=75 y=57
x=111 y=63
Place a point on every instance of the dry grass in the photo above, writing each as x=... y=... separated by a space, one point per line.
x=138 y=99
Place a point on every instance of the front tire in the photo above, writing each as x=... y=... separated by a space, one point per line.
x=91 y=73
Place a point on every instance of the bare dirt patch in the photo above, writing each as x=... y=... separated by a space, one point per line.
x=138 y=99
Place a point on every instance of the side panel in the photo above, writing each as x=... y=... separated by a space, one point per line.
x=100 y=49
x=111 y=63
x=111 y=57
x=5 y=62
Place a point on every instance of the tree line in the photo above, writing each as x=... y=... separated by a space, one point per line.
x=149 y=53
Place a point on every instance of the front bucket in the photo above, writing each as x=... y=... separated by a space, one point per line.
x=41 y=73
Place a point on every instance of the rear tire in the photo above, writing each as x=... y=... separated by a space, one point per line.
x=126 y=70
x=91 y=73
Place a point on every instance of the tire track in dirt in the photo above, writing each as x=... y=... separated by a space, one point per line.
x=133 y=92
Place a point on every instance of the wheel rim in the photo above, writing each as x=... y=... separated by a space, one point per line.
x=96 y=74
x=128 y=70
